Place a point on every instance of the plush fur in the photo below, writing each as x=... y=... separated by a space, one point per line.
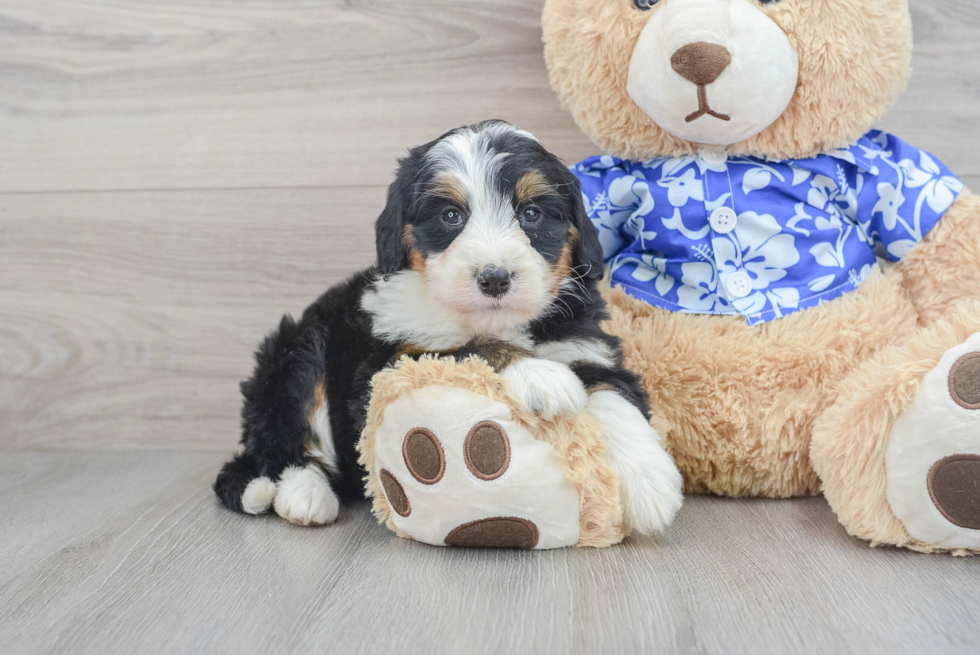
x=809 y=402
x=484 y=250
x=578 y=441
x=855 y=59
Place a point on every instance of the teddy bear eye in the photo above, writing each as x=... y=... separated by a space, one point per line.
x=643 y=5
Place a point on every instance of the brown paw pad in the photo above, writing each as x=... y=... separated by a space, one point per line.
x=487 y=451
x=954 y=484
x=507 y=532
x=964 y=381
x=395 y=493
x=424 y=456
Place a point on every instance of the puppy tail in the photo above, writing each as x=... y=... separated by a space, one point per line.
x=241 y=488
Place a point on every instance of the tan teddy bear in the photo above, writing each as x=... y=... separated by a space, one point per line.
x=800 y=294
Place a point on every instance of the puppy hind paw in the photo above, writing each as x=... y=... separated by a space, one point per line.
x=544 y=388
x=304 y=496
x=258 y=496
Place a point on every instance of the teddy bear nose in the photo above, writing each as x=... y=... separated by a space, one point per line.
x=701 y=62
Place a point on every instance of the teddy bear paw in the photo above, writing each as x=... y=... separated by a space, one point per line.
x=471 y=476
x=933 y=457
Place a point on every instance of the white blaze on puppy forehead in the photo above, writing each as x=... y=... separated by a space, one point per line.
x=467 y=156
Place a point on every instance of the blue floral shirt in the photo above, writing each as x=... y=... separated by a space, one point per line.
x=706 y=234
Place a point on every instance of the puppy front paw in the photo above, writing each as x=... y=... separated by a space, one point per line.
x=304 y=497
x=650 y=484
x=545 y=388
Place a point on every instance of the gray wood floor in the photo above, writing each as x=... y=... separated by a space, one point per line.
x=173 y=176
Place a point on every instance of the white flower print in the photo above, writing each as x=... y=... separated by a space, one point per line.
x=637 y=226
x=627 y=196
x=647 y=268
x=676 y=222
x=784 y=298
x=856 y=277
x=630 y=196
x=758 y=246
x=681 y=187
x=759 y=176
x=838 y=203
x=821 y=283
x=890 y=200
x=596 y=168
x=836 y=197
x=699 y=286
x=938 y=190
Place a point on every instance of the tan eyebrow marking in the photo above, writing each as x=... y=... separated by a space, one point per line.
x=531 y=185
x=451 y=187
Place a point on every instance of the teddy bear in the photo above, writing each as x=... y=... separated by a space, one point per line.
x=799 y=292
x=452 y=459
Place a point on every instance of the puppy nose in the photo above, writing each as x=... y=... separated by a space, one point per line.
x=493 y=281
x=701 y=62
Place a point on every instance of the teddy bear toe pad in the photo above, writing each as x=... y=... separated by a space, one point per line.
x=505 y=532
x=424 y=456
x=933 y=458
x=964 y=381
x=458 y=470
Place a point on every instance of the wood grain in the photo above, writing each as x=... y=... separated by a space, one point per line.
x=162 y=569
x=127 y=319
x=176 y=94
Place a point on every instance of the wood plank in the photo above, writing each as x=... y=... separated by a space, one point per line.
x=105 y=94
x=129 y=552
x=129 y=318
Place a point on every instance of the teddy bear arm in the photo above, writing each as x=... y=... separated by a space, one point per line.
x=944 y=269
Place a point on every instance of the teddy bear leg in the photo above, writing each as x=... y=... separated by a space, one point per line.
x=650 y=485
x=899 y=453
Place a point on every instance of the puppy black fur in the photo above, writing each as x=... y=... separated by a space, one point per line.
x=334 y=344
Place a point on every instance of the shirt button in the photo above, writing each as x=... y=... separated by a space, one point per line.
x=713 y=156
x=739 y=285
x=723 y=220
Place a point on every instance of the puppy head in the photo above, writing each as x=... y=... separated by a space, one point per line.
x=492 y=222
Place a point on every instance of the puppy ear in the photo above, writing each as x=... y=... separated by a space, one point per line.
x=588 y=260
x=389 y=229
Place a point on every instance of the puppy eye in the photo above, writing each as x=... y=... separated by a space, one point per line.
x=452 y=217
x=530 y=215
x=643 y=5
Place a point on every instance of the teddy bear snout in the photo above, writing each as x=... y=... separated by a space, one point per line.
x=701 y=63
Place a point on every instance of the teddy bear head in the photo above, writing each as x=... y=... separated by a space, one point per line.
x=769 y=78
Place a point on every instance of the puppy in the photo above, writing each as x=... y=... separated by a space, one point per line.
x=484 y=248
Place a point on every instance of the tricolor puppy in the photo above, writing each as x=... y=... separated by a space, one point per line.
x=484 y=248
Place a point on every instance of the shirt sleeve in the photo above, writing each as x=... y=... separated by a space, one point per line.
x=596 y=175
x=904 y=194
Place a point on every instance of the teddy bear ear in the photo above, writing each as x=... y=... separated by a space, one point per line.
x=588 y=261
